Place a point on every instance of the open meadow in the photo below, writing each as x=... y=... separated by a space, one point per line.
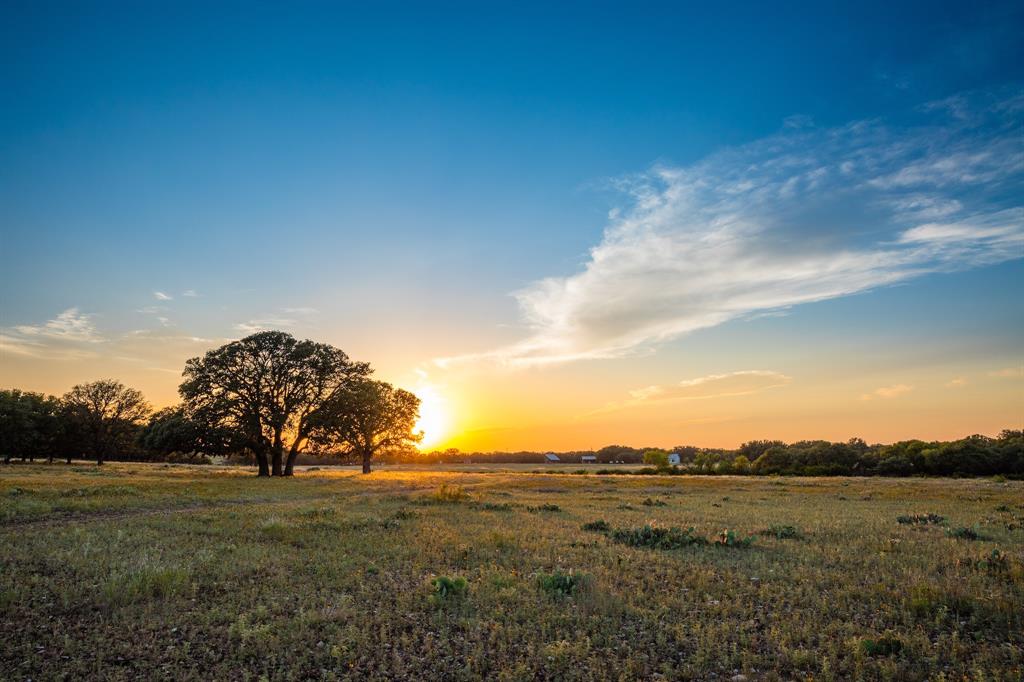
x=131 y=571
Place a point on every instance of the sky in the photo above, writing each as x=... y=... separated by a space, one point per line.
x=563 y=227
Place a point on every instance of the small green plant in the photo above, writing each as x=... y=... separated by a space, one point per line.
x=922 y=519
x=653 y=503
x=886 y=645
x=728 y=538
x=964 y=533
x=496 y=506
x=560 y=584
x=547 y=507
x=447 y=590
x=994 y=563
x=931 y=602
x=599 y=526
x=658 y=537
x=782 y=532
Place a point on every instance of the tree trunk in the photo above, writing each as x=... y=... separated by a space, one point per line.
x=261 y=461
x=366 y=462
x=276 y=463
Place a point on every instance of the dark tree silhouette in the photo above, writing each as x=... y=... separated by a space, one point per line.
x=266 y=389
x=105 y=415
x=30 y=425
x=172 y=430
x=366 y=418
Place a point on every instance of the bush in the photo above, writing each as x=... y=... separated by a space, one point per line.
x=657 y=537
x=994 y=563
x=447 y=590
x=545 y=508
x=963 y=533
x=886 y=645
x=728 y=538
x=922 y=519
x=654 y=503
x=782 y=532
x=599 y=526
x=561 y=584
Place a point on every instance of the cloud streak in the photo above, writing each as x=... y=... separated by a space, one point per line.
x=807 y=215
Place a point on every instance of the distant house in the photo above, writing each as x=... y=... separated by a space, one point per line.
x=552 y=457
x=589 y=459
x=673 y=458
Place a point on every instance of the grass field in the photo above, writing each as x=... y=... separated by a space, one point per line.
x=171 y=572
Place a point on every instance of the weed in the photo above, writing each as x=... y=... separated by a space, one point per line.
x=886 y=645
x=657 y=537
x=728 y=538
x=560 y=584
x=599 y=526
x=547 y=507
x=653 y=503
x=923 y=519
x=450 y=494
x=964 y=533
x=447 y=590
x=782 y=532
x=143 y=584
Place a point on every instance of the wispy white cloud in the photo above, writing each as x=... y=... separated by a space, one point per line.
x=264 y=324
x=190 y=293
x=71 y=334
x=301 y=311
x=888 y=392
x=742 y=382
x=70 y=325
x=161 y=296
x=958 y=382
x=1008 y=373
x=807 y=215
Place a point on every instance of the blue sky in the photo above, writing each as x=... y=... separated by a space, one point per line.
x=415 y=182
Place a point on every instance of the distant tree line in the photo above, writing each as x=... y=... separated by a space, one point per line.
x=972 y=456
x=265 y=398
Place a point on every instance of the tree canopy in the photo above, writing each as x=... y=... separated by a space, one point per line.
x=106 y=414
x=267 y=389
x=366 y=418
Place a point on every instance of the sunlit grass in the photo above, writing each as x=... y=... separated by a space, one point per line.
x=146 y=571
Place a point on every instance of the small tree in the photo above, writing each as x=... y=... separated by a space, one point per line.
x=657 y=458
x=173 y=430
x=367 y=418
x=105 y=415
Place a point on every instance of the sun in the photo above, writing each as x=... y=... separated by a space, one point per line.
x=434 y=419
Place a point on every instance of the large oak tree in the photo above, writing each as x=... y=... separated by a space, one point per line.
x=366 y=418
x=267 y=389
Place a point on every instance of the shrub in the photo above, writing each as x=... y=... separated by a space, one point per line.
x=599 y=526
x=447 y=590
x=994 y=563
x=561 y=584
x=963 y=533
x=545 y=508
x=782 y=532
x=657 y=537
x=728 y=538
x=923 y=519
x=886 y=645
x=653 y=503
x=496 y=506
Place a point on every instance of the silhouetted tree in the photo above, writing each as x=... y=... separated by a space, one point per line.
x=105 y=415
x=267 y=389
x=30 y=425
x=172 y=430
x=366 y=418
